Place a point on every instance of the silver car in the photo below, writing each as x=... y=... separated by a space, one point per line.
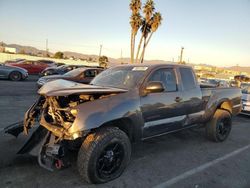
x=13 y=73
x=246 y=100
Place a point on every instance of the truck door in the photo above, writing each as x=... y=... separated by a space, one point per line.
x=191 y=93
x=162 y=112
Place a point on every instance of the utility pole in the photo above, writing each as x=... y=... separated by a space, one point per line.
x=181 y=56
x=100 y=52
x=47 y=49
x=121 y=57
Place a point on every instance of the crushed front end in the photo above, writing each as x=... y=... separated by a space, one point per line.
x=53 y=124
x=51 y=139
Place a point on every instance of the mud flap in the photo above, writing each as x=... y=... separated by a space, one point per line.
x=14 y=129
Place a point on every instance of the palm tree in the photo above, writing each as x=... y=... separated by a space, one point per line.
x=135 y=6
x=155 y=23
x=135 y=22
x=148 y=10
x=149 y=24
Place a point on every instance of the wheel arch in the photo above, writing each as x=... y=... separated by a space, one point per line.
x=124 y=124
x=226 y=105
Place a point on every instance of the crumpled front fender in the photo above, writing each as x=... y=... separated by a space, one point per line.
x=95 y=113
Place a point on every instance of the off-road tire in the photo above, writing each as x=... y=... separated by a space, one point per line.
x=94 y=146
x=15 y=76
x=213 y=127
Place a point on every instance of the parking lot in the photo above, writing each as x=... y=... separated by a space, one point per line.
x=184 y=159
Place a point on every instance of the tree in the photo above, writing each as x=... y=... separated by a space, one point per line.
x=58 y=55
x=148 y=25
x=103 y=61
x=22 y=51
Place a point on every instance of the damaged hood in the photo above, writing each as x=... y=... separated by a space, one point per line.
x=63 y=88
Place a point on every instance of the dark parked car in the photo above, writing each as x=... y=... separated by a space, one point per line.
x=81 y=75
x=33 y=67
x=122 y=105
x=59 y=64
x=59 y=70
x=12 y=73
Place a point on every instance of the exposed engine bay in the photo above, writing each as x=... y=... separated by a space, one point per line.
x=57 y=114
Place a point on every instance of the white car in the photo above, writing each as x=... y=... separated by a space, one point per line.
x=246 y=100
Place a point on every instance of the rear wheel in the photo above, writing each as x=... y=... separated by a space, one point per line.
x=104 y=155
x=15 y=76
x=219 y=127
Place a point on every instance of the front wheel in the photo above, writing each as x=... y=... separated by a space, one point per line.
x=15 y=76
x=104 y=155
x=219 y=127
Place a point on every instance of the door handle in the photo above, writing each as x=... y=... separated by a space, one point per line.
x=178 y=99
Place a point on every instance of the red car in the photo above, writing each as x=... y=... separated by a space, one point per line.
x=33 y=67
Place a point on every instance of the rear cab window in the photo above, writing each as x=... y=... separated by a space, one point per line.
x=188 y=78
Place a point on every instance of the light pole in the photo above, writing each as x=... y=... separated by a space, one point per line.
x=181 y=62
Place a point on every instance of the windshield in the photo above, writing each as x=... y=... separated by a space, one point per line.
x=74 y=72
x=120 y=77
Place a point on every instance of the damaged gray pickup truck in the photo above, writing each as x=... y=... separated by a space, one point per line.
x=121 y=105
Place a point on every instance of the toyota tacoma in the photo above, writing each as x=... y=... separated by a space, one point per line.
x=121 y=105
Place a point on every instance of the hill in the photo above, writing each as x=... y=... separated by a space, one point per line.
x=112 y=61
x=240 y=69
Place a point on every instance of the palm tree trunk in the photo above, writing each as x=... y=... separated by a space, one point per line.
x=143 y=51
x=149 y=38
x=144 y=47
x=138 y=49
x=134 y=48
x=131 y=48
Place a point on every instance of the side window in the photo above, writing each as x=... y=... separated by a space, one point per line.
x=167 y=77
x=188 y=79
x=90 y=73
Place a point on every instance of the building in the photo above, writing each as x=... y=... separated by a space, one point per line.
x=10 y=50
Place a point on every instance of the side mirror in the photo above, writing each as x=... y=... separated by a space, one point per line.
x=154 y=87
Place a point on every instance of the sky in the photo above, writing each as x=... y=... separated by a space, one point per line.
x=215 y=32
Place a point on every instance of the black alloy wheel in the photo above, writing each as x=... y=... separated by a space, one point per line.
x=110 y=160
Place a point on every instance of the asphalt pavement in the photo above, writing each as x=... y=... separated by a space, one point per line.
x=184 y=159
